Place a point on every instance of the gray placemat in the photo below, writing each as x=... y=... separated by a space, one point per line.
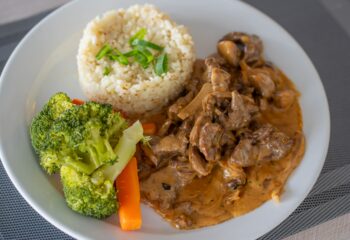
x=325 y=42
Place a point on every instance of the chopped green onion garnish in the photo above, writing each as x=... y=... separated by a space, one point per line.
x=142 y=60
x=107 y=71
x=116 y=55
x=143 y=43
x=140 y=52
x=131 y=53
x=139 y=35
x=161 y=64
x=144 y=51
x=103 y=51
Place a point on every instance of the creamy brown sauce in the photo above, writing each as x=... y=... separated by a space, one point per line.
x=206 y=200
x=206 y=194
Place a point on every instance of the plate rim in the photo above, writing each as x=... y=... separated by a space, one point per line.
x=78 y=235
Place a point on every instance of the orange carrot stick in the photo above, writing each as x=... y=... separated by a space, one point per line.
x=77 y=101
x=149 y=128
x=129 y=197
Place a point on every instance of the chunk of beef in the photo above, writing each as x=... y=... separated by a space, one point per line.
x=211 y=62
x=185 y=128
x=167 y=127
x=153 y=188
x=231 y=110
x=266 y=144
x=198 y=162
x=184 y=171
x=229 y=51
x=209 y=141
x=178 y=105
x=195 y=132
x=250 y=45
x=245 y=153
x=262 y=81
x=220 y=79
x=273 y=144
x=170 y=146
x=239 y=114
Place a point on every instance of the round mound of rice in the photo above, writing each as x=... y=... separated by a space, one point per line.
x=131 y=88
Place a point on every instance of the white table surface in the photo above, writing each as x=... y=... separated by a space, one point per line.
x=12 y=10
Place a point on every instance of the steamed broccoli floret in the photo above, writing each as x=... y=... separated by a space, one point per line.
x=90 y=198
x=86 y=130
x=94 y=195
x=78 y=136
x=42 y=123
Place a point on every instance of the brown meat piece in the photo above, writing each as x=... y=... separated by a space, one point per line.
x=217 y=103
x=178 y=105
x=233 y=175
x=184 y=171
x=239 y=115
x=211 y=62
x=160 y=188
x=273 y=144
x=245 y=153
x=166 y=128
x=170 y=146
x=231 y=110
x=199 y=164
x=262 y=81
x=209 y=141
x=185 y=128
x=266 y=144
x=220 y=79
x=195 y=132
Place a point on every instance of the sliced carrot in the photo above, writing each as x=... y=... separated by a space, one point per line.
x=149 y=128
x=129 y=197
x=77 y=101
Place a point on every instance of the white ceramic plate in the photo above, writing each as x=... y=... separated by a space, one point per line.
x=44 y=63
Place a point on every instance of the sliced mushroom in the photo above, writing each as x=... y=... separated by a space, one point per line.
x=148 y=152
x=230 y=52
x=250 y=45
x=199 y=164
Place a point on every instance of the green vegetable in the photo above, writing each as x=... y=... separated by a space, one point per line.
x=116 y=55
x=42 y=123
x=139 y=35
x=94 y=194
x=140 y=53
x=103 y=51
x=142 y=60
x=161 y=64
x=107 y=71
x=143 y=43
x=81 y=137
x=146 y=53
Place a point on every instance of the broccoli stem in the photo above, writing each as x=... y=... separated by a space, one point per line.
x=125 y=149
